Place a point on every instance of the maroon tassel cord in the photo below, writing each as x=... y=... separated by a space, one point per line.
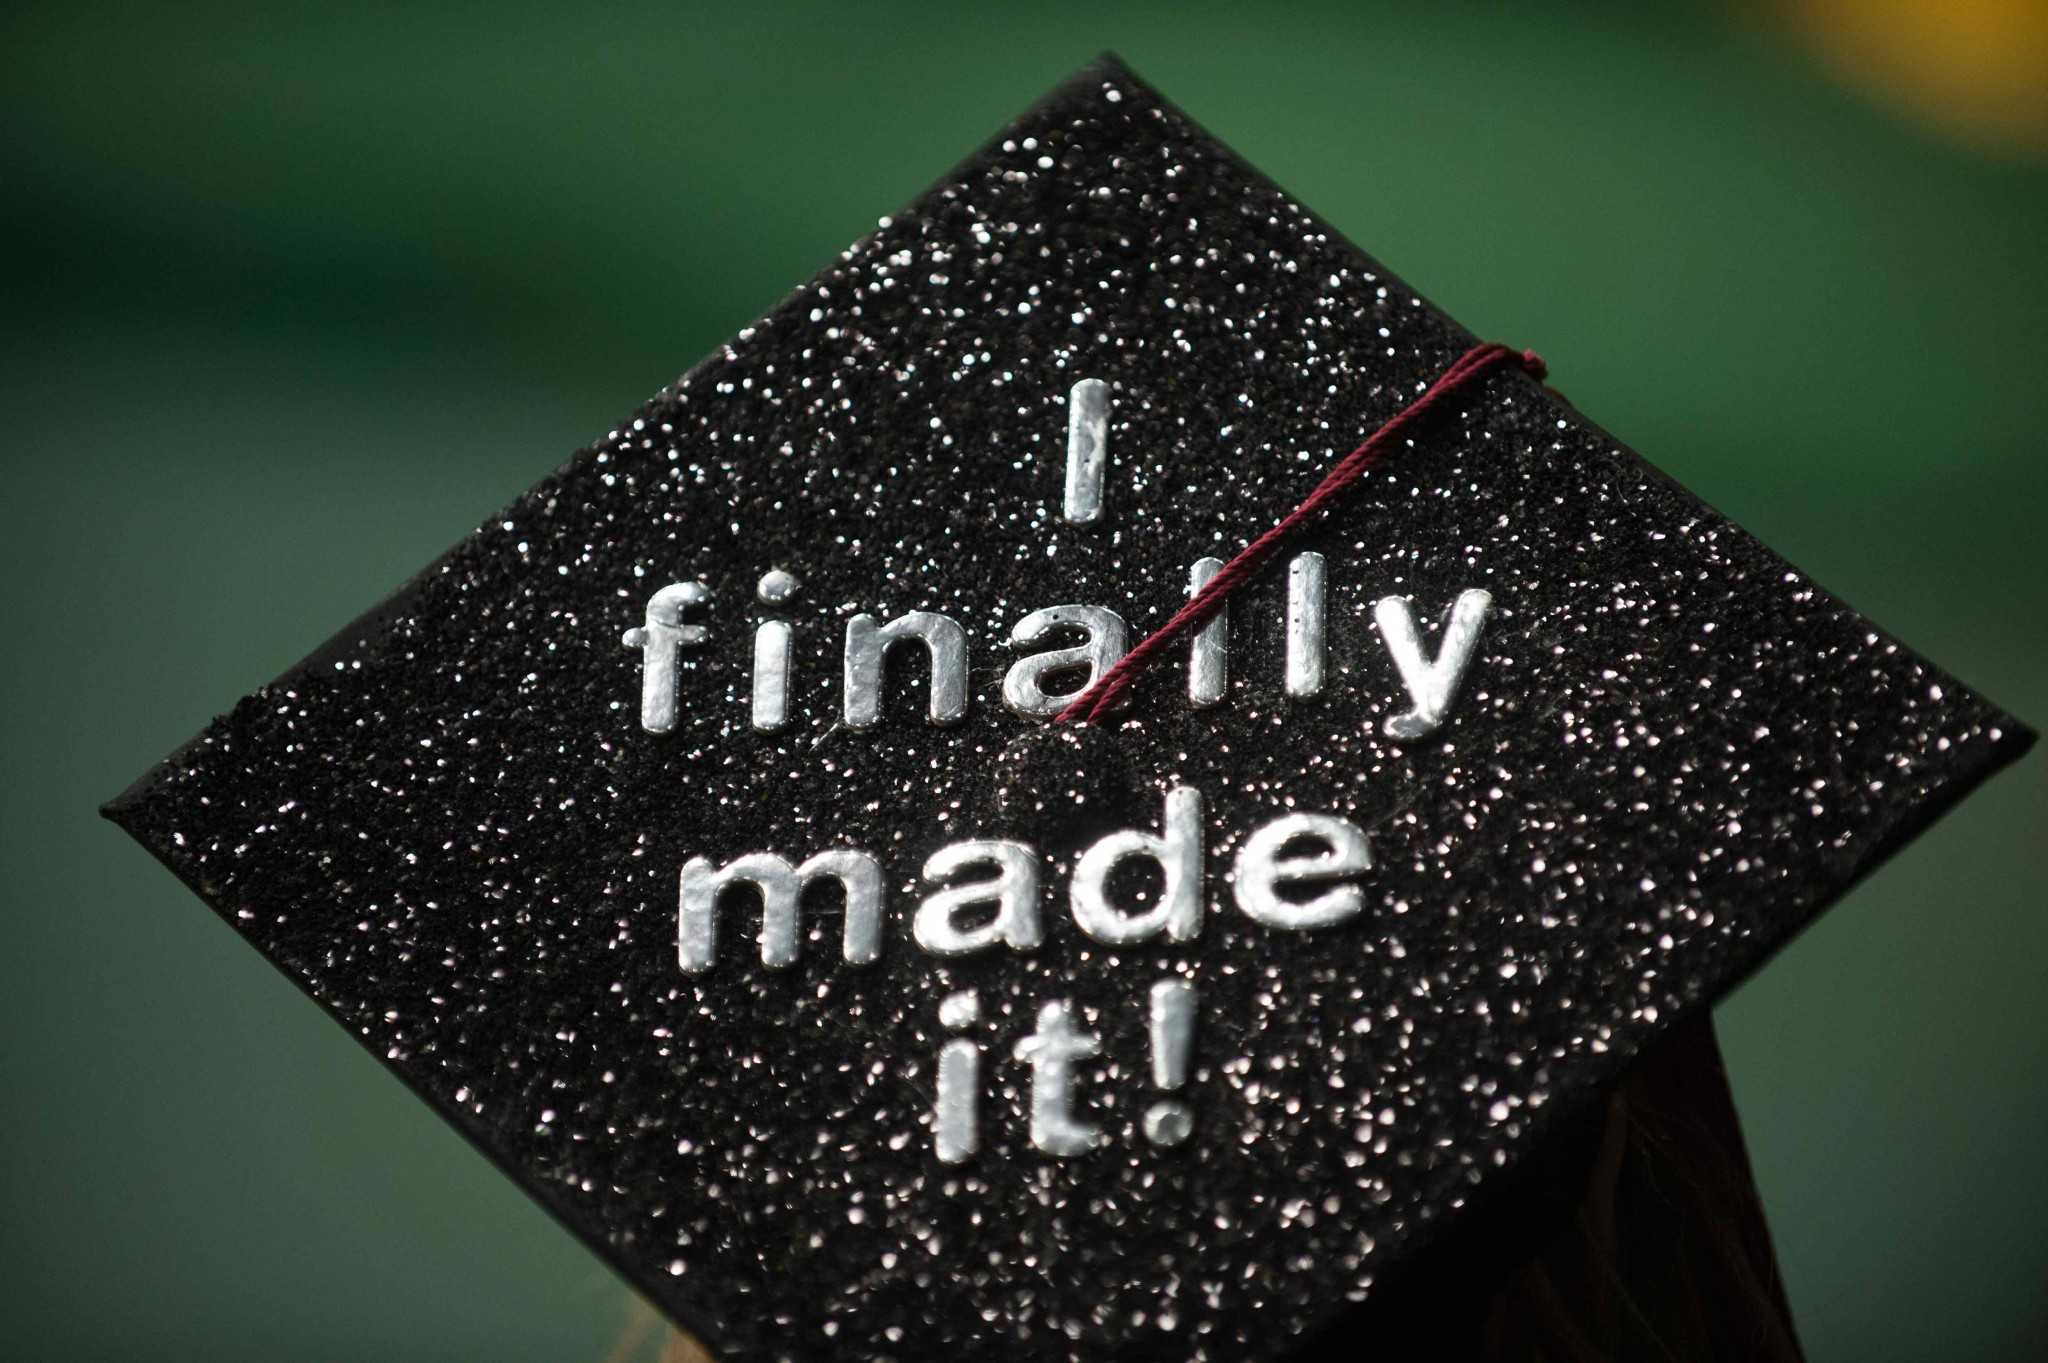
x=1094 y=703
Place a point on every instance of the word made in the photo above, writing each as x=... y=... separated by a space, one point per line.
x=1297 y=872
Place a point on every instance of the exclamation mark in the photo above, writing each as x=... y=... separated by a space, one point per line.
x=1168 y=1121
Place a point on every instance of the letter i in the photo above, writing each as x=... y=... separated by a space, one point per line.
x=1087 y=450
x=956 y=1119
x=771 y=655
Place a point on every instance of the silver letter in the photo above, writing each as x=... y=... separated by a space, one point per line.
x=1024 y=684
x=771 y=655
x=867 y=643
x=1087 y=449
x=1209 y=655
x=658 y=640
x=1168 y=1121
x=1307 y=624
x=859 y=874
x=1179 y=854
x=1432 y=686
x=1014 y=892
x=1051 y=1052
x=956 y=1128
x=1261 y=869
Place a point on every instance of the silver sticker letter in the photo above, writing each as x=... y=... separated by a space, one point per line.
x=868 y=643
x=1051 y=1052
x=1432 y=686
x=781 y=888
x=771 y=675
x=771 y=655
x=1168 y=1121
x=1262 y=868
x=1308 y=648
x=1178 y=914
x=956 y=1127
x=1087 y=449
x=1209 y=655
x=1014 y=892
x=1024 y=685
x=658 y=641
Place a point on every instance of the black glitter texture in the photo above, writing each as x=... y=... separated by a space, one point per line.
x=448 y=827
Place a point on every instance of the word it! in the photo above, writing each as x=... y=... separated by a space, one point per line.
x=1058 y=1044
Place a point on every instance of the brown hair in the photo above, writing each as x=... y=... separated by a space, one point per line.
x=1635 y=1234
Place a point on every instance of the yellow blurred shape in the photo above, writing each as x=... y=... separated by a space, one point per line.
x=1977 y=68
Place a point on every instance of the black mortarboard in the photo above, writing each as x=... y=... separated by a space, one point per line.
x=693 y=838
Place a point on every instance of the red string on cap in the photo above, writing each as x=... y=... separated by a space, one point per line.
x=1092 y=704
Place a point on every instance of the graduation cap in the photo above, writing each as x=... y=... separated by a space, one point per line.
x=697 y=836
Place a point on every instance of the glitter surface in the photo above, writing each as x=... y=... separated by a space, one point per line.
x=450 y=829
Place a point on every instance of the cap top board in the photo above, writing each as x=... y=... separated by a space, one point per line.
x=692 y=838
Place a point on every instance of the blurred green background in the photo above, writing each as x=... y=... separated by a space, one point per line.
x=293 y=299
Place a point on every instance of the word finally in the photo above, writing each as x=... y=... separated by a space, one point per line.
x=669 y=627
